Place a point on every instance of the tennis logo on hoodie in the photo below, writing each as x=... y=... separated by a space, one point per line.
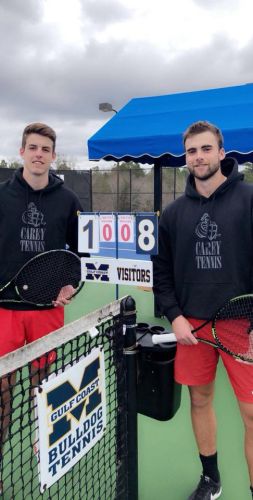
x=33 y=233
x=208 y=246
x=33 y=216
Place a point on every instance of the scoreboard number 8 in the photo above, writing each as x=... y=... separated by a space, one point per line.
x=146 y=238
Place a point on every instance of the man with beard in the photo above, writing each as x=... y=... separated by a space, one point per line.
x=205 y=258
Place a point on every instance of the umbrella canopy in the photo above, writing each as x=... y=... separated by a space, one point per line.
x=149 y=129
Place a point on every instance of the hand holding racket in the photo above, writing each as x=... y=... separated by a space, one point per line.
x=232 y=329
x=183 y=331
x=65 y=295
x=49 y=278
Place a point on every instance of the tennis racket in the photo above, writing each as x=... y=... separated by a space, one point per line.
x=46 y=277
x=232 y=329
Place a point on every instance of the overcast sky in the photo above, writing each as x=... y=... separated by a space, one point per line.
x=61 y=58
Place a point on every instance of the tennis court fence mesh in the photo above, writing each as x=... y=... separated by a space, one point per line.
x=68 y=419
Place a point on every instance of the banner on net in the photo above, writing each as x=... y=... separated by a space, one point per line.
x=71 y=412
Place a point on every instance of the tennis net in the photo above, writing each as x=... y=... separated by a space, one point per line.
x=63 y=413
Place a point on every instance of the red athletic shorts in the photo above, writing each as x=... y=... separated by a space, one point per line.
x=22 y=327
x=196 y=365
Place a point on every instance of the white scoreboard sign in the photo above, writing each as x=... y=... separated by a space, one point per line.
x=88 y=233
x=119 y=245
x=107 y=228
x=117 y=271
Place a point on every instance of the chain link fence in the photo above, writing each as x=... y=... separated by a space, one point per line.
x=173 y=183
x=133 y=190
x=78 y=181
x=125 y=189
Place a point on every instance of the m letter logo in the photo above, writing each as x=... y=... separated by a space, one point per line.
x=70 y=403
x=97 y=273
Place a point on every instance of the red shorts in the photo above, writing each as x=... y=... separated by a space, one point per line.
x=22 y=327
x=196 y=365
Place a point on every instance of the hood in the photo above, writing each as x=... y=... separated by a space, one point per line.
x=54 y=182
x=229 y=168
x=33 y=198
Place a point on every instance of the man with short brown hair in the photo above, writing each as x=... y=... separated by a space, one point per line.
x=40 y=129
x=37 y=213
x=205 y=258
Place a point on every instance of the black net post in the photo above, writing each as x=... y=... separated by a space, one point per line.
x=128 y=313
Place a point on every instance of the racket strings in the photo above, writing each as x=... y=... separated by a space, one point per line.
x=233 y=327
x=42 y=279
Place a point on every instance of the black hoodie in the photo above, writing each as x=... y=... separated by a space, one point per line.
x=31 y=222
x=205 y=248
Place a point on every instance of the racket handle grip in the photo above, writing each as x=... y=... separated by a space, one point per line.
x=163 y=338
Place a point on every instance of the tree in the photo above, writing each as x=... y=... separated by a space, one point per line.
x=3 y=164
x=173 y=183
x=63 y=163
x=10 y=164
x=15 y=164
x=130 y=165
x=102 y=193
x=248 y=172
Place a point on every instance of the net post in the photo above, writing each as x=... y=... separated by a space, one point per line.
x=128 y=315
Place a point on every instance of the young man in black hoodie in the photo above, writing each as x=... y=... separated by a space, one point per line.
x=37 y=213
x=206 y=257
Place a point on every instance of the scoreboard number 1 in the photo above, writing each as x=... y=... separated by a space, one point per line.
x=89 y=228
x=88 y=233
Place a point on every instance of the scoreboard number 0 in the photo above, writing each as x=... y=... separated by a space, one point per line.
x=125 y=232
x=107 y=232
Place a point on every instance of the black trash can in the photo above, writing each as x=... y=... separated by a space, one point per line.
x=158 y=395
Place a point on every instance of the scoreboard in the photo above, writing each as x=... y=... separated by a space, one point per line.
x=118 y=235
x=120 y=246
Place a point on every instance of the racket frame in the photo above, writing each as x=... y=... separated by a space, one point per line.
x=38 y=304
x=165 y=338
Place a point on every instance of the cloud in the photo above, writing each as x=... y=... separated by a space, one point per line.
x=216 y=4
x=103 y=13
x=46 y=79
x=28 y=11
